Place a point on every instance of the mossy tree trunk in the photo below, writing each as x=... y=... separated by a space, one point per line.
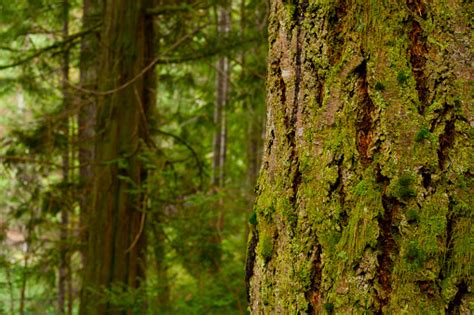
x=116 y=245
x=365 y=194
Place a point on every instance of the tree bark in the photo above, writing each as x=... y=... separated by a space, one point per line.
x=365 y=195
x=64 y=261
x=116 y=246
x=86 y=118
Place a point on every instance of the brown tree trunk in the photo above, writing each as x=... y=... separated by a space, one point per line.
x=86 y=118
x=116 y=246
x=365 y=196
x=64 y=263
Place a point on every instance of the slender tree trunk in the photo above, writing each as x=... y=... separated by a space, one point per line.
x=255 y=113
x=222 y=95
x=116 y=246
x=64 y=264
x=24 y=278
x=216 y=223
x=163 y=296
x=253 y=103
x=365 y=196
x=26 y=262
x=86 y=118
x=11 y=291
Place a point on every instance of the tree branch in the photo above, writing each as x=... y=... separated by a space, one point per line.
x=46 y=49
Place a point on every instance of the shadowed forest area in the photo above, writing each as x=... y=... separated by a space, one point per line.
x=236 y=157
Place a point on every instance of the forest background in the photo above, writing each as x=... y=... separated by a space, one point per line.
x=206 y=141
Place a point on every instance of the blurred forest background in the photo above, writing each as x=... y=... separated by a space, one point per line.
x=201 y=158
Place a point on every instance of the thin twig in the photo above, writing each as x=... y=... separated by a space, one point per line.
x=140 y=231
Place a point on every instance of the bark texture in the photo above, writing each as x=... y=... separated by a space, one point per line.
x=116 y=246
x=365 y=193
x=64 y=276
x=89 y=64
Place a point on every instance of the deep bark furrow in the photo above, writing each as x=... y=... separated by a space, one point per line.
x=454 y=305
x=338 y=185
x=336 y=29
x=250 y=261
x=291 y=122
x=365 y=122
x=387 y=246
x=386 y=243
x=450 y=223
x=446 y=141
x=418 y=49
x=313 y=294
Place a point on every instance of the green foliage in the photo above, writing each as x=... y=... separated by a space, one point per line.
x=203 y=264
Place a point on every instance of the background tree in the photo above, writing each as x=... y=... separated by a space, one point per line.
x=364 y=200
x=116 y=242
x=86 y=117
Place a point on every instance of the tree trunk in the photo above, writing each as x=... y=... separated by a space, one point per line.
x=222 y=96
x=64 y=263
x=159 y=250
x=116 y=246
x=216 y=224
x=364 y=200
x=86 y=117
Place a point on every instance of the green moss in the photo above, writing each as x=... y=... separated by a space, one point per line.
x=343 y=256
x=266 y=247
x=329 y=308
x=379 y=86
x=305 y=275
x=415 y=256
x=402 y=77
x=422 y=134
x=290 y=14
x=412 y=216
x=253 y=218
x=404 y=187
x=268 y=211
x=361 y=188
